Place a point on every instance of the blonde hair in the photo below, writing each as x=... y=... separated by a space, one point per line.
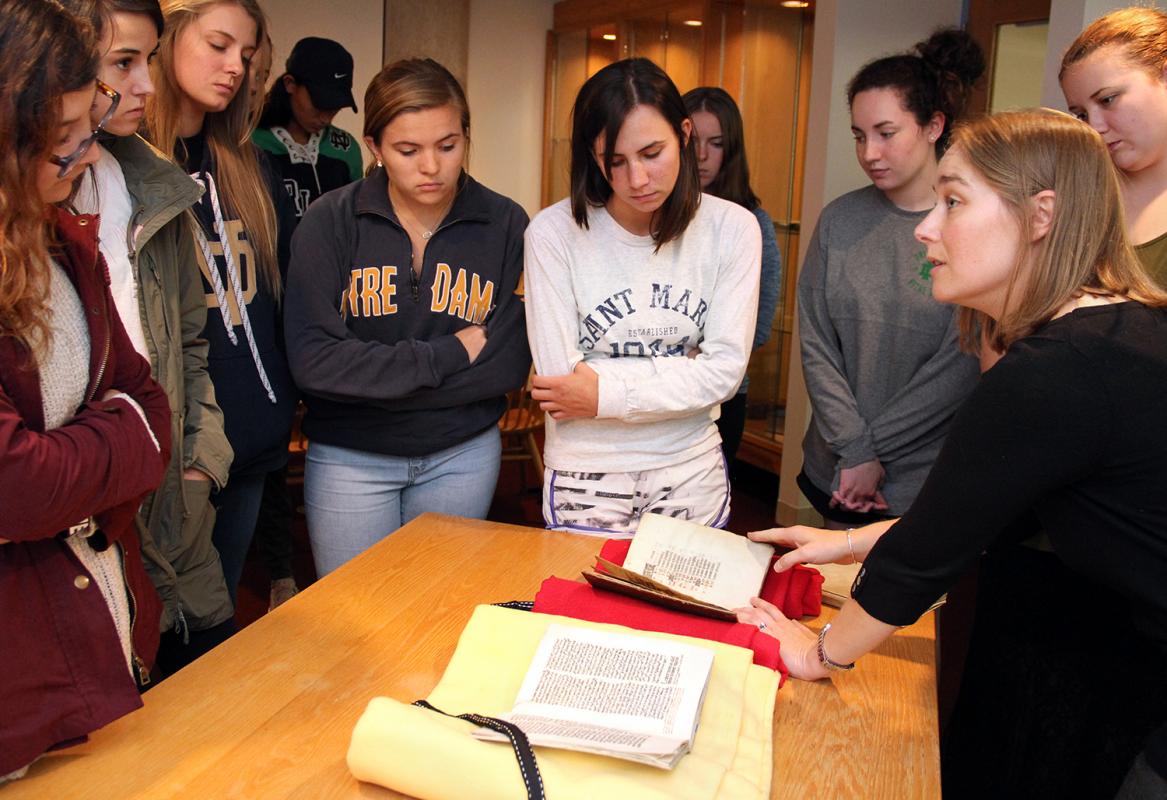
x=260 y=60
x=1140 y=32
x=242 y=186
x=1021 y=153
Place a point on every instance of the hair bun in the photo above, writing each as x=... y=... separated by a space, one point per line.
x=951 y=51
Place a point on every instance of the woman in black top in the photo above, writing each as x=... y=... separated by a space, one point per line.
x=1028 y=237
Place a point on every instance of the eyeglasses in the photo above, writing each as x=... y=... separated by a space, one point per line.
x=66 y=162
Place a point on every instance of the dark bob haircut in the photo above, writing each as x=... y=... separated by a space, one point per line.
x=600 y=108
x=732 y=181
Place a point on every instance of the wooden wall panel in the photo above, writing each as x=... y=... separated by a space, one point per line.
x=684 y=55
x=437 y=29
x=569 y=72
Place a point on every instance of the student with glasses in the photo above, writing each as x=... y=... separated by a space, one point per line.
x=84 y=429
x=142 y=198
x=112 y=100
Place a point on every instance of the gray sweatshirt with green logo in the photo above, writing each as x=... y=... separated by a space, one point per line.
x=880 y=355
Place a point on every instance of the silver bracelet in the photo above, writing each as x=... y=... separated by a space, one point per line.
x=824 y=660
x=851 y=546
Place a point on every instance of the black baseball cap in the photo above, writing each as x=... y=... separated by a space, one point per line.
x=326 y=69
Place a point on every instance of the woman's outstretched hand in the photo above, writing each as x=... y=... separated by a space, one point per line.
x=799 y=643
x=808 y=545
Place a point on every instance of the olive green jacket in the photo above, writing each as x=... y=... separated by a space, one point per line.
x=176 y=521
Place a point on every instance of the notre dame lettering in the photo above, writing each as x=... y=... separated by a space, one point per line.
x=300 y=197
x=244 y=261
x=372 y=292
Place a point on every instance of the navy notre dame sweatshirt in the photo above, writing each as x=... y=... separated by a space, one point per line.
x=371 y=344
x=256 y=427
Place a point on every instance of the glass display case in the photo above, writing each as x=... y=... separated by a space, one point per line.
x=759 y=52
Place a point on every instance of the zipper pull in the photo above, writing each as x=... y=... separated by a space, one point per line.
x=414 y=285
x=143 y=673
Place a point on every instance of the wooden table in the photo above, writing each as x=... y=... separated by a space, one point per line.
x=269 y=713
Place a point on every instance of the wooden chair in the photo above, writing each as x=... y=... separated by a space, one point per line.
x=518 y=425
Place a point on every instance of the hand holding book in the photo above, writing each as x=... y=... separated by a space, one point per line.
x=684 y=565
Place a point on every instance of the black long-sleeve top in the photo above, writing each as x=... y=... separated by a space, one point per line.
x=1071 y=423
x=372 y=345
x=256 y=427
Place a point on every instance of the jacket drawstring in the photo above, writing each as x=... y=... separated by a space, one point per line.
x=208 y=183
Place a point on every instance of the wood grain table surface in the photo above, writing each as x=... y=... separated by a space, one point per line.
x=269 y=713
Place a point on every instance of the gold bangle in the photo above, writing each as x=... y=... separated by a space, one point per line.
x=851 y=546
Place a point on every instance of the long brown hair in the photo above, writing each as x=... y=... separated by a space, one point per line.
x=1140 y=32
x=242 y=186
x=732 y=181
x=1021 y=153
x=45 y=52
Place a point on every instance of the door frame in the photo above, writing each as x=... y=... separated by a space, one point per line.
x=983 y=18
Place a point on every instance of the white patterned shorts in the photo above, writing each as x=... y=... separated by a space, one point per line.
x=610 y=504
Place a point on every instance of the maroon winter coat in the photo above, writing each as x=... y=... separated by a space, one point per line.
x=63 y=672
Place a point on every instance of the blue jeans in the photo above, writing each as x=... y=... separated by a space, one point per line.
x=354 y=499
x=237 y=509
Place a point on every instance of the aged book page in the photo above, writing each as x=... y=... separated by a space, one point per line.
x=620 y=695
x=708 y=564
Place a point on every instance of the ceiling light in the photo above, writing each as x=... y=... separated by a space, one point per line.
x=609 y=37
x=692 y=23
x=795 y=3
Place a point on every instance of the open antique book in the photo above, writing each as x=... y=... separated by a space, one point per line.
x=687 y=566
x=613 y=694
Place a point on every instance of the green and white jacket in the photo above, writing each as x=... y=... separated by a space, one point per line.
x=331 y=159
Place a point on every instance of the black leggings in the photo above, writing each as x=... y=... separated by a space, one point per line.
x=731 y=424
